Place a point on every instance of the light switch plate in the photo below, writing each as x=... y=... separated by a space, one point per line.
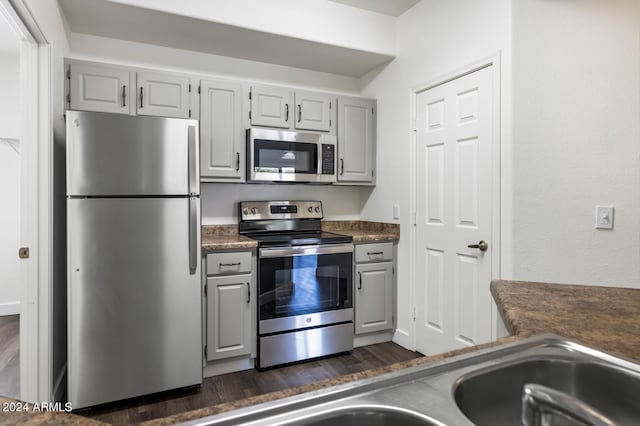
x=396 y=211
x=604 y=217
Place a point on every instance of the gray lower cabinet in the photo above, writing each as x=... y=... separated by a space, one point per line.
x=222 y=132
x=230 y=305
x=374 y=288
x=229 y=316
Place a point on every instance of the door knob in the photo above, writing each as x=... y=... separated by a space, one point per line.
x=482 y=245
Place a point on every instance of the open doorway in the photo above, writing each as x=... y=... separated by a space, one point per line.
x=10 y=175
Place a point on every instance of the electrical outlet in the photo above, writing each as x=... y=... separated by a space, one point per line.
x=604 y=217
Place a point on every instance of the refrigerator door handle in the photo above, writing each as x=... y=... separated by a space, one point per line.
x=193 y=234
x=193 y=161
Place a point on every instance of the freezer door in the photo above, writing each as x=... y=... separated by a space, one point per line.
x=134 y=302
x=121 y=155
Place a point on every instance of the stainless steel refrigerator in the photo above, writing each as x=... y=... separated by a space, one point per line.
x=134 y=277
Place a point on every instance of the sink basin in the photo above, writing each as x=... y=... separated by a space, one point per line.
x=372 y=415
x=493 y=396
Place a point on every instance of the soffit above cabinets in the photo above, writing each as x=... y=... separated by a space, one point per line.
x=386 y=7
x=116 y=20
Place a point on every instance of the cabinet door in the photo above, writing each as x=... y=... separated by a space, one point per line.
x=356 y=140
x=313 y=111
x=374 y=297
x=271 y=107
x=100 y=88
x=228 y=316
x=222 y=144
x=161 y=94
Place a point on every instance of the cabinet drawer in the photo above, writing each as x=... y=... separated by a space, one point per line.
x=228 y=263
x=374 y=252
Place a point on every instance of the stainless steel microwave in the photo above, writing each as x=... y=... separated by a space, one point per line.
x=281 y=156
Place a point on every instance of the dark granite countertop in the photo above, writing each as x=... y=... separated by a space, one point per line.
x=606 y=318
x=226 y=237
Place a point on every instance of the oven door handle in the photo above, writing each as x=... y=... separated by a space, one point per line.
x=306 y=250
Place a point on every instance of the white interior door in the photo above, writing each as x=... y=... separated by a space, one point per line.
x=454 y=127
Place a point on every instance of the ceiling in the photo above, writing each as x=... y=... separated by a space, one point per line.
x=143 y=25
x=9 y=44
x=386 y=7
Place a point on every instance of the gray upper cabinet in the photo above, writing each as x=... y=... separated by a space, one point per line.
x=108 y=88
x=222 y=141
x=271 y=107
x=100 y=88
x=313 y=111
x=292 y=110
x=356 y=140
x=163 y=94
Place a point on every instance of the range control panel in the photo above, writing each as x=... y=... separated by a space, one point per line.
x=268 y=210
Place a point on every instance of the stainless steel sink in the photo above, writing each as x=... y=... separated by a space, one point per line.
x=369 y=415
x=482 y=388
x=493 y=396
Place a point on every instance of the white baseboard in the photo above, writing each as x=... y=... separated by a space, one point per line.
x=10 y=308
x=228 y=366
x=372 y=338
x=61 y=385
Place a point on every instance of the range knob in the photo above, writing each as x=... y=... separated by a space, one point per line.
x=254 y=210
x=245 y=210
x=317 y=209
x=310 y=209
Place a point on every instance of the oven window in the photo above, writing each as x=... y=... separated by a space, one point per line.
x=304 y=284
x=285 y=157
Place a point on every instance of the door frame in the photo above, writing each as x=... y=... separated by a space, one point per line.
x=36 y=208
x=488 y=61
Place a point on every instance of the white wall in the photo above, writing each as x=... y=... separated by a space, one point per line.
x=435 y=38
x=315 y=20
x=9 y=183
x=219 y=201
x=576 y=130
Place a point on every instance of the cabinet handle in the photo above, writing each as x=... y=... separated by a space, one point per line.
x=237 y=161
x=229 y=264
x=248 y=292
x=375 y=253
x=341 y=167
x=359 y=281
x=124 y=95
x=299 y=113
x=141 y=97
x=286 y=113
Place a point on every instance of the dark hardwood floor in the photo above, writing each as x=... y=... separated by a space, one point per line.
x=243 y=384
x=10 y=356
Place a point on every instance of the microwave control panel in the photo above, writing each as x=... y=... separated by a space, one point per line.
x=328 y=159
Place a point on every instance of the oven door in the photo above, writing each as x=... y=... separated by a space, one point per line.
x=304 y=286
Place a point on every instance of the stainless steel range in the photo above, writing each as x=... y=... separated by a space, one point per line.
x=305 y=282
